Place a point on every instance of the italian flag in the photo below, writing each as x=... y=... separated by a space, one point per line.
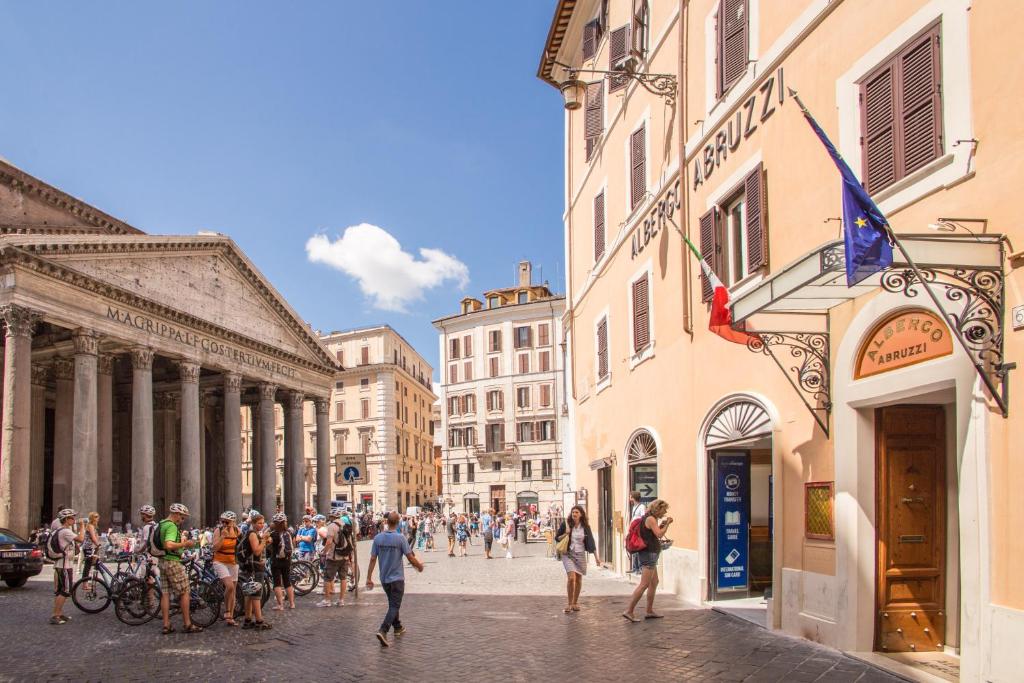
x=721 y=314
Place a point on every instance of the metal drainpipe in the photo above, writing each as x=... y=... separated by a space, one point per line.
x=684 y=17
x=570 y=308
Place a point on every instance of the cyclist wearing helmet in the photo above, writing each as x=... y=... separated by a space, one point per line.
x=63 y=569
x=281 y=562
x=256 y=540
x=173 y=576
x=224 y=565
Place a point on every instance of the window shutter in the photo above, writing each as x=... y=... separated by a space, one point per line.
x=641 y=315
x=878 y=123
x=732 y=48
x=591 y=34
x=757 y=228
x=638 y=31
x=593 y=122
x=708 y=247
x=638 y=166
x=467 y=346
x=618 y=50
x=920 y=111
x=598 y=226
x=602 y=348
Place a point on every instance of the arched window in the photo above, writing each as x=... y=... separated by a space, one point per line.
x=738 y=421
x=642 y=447
x=642 y=455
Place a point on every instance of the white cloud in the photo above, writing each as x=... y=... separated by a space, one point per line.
x=391 y=277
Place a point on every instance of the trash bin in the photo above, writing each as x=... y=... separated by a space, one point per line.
x=522 y=533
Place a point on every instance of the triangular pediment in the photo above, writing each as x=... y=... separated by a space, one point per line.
x=206 y=277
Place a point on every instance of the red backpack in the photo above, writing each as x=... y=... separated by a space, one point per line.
x=634 y=542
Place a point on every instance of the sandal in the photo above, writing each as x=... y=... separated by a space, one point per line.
x=230 y=622
x=652 y=615
x=192 y=628
x=630 y=617
x=575 y=608
x=263 y=626
x=167 y=630
x=567 y=610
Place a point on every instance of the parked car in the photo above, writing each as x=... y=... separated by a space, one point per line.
x=19 y=559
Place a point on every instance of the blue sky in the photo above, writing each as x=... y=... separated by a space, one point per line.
x=277 y=122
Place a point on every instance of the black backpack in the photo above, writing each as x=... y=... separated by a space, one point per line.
x=342 y=542
x=156 y=539
x=243 y=549
x=53 y=549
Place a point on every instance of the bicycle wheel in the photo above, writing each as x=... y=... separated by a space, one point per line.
x=204 y=605
x=135 y=605
x=268 y=589
x=90 y=594
x=304 y=577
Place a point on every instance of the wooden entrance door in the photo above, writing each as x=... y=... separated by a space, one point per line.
x=911 y=528
x=498 y=499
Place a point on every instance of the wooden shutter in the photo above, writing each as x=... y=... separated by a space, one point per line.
x=641 y=314
x=757 y=227
x=638 y=166
x=593 y=121
x=878 y=123
x=638 y=30
x=732 y=48
x=920 y=110
x=599 y=226
x=618 y=50
x=467 y=346
x=545 y=395
x=591 y=34
x=709 y=250
x=602 y=348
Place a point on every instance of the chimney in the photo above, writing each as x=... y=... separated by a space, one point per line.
x=525 y=273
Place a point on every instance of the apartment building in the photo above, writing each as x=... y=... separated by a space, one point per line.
x=503 y=414
x=852 y=466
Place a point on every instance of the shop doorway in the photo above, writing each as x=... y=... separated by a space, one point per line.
x=740 y=519
x=604 y=504
x=498 y=499
x=910 y=587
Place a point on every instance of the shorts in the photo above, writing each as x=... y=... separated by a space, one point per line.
x=645 y=558
x=335 y=569
x=488 y=540
x=225 y=571
x=281 y=570
x=173 y=578
x=63 y=579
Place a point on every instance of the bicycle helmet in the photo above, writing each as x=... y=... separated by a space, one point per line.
x=148 y=510
x=307 y=518
x=280 y=517
x=251 y=588
x=319 y=518
x=228 y=515
x=253 y=514
x=65 y=513
x=333 y=514
x=178 y=508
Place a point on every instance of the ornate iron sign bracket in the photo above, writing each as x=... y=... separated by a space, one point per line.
x=803 y=358
x=977 y=325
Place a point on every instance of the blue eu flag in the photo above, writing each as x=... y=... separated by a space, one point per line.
x=868 y=249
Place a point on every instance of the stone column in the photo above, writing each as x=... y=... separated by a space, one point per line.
x=124 y=456
x=37 y=483
x=15 y=457
x=199 y=517
x=233 y=442
x=142 y=431
x=105 y=438
x=190 y=473
x=169 y=405
x=63 y=431
x=83 y=446
x=254 y=455
x=323 y=455
x=268 y=456
x=294 y=458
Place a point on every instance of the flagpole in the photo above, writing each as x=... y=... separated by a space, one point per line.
x=895 y=241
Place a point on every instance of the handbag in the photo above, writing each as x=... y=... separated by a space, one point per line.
x=562 y=547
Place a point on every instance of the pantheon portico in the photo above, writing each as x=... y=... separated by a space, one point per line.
x=128 y=359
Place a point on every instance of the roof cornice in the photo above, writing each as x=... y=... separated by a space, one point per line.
x=556 y=34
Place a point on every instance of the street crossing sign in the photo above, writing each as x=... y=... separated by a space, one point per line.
x=349 y=468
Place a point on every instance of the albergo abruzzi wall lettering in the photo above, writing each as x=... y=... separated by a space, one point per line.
x=663 y=210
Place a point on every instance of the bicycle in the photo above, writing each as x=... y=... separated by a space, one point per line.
x=305 y=575
x=93 y=592
x=139 y=600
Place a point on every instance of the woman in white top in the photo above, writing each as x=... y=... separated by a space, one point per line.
x=581 y=542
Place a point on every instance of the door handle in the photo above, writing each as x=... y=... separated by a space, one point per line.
x=912 y=500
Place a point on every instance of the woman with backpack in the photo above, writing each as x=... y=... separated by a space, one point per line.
x=252 y=570
x=281 y=548
x=225 y=540
x=574 y=560
x=651 y=533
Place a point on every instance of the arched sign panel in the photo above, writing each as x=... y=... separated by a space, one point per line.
x=905 y=338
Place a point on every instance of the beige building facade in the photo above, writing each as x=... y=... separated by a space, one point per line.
x=867 y=430
x=503 y=415
x=127 y=359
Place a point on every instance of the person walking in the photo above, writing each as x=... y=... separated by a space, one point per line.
x=651 y=531
x=281 y=548
x=225 y=541
x=487 y=526
x=173 y=577
x=581 y=542
x=252 y=571
x=90 y=543
x=339 y=544
x=390 y=547
x=638 y=510
x=450 y=525
x=509 y=537
x=462 y=535
x=63 y=541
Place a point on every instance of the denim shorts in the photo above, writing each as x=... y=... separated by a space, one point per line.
x=646 y=558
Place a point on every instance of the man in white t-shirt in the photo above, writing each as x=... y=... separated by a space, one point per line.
x=68 y=534
x=637 y=511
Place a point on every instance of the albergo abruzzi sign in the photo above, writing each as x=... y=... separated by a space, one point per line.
x=198 y=341
x=654 y=221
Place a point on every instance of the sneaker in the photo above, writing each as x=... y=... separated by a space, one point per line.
x=383 y=638
x=64 y=619
x=339 y=603
x=56 y=621
x=323 y=603
x=400 y=630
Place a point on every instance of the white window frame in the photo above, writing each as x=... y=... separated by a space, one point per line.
x=636 y=358
x=719 y=196
x=739 y=197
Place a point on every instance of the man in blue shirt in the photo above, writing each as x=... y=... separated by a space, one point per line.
x=390 y=547
x=306 y=536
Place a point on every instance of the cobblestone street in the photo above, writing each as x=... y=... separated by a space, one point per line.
x=490 y=620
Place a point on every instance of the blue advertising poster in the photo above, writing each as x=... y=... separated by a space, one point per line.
x=732 y=492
